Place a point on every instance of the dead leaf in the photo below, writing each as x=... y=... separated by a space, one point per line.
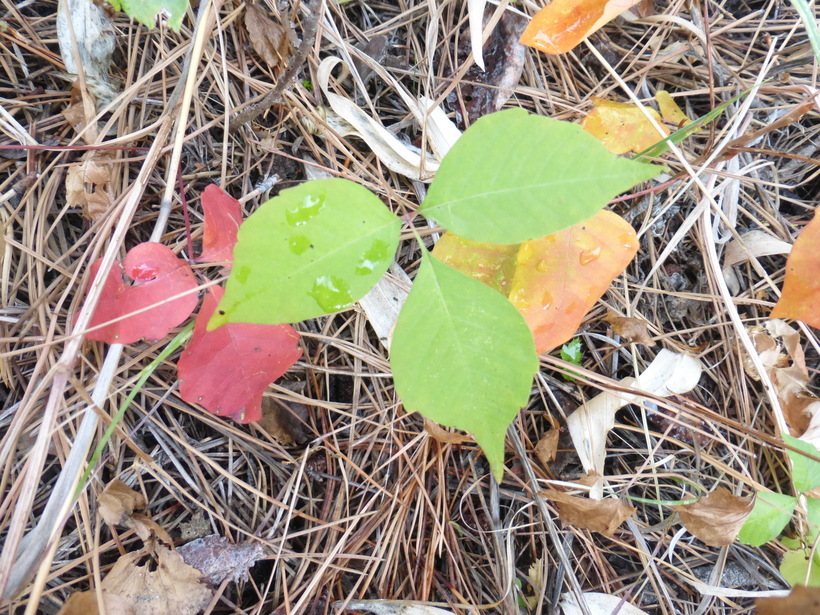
x=717 y=517
x=633 y=329
x=749 y=247
x=171 y=588
x=118 y=502
x=444 y=436
x=284 y=421
x=391 y=607
x=268 y=38
x=85 y=603
x=670 y=111
x=547 y=447
x=87 y=185
x=217 y=558
x=599 y=604
x=804 y=600
x=148 y=529
x=603 y=516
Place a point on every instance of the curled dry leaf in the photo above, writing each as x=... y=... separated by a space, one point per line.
x=217 y=558
x=547 y=447
x=170 y=587
x=669 y=373
x=268 y=38
x=750 y=246
x=633 y=329
x=442 y=435
x=87 y=185
x=801 y=290
x=787 y=371
x=602 y=516
x=284 y=421
x=562 y=24
x=716 y=518
x=118 y=502
x=802 y=600
x=599 y=604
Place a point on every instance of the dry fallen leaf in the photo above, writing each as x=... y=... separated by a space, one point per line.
x=670 y=111
x=633 y=329
x=442 y=435
x=750 y=246
x=547 y=447
x=802 y=600
x=717 y=517
x=85 y=603
x=217 y=558
x=268 y=38
x=622 y=127
x=603 y=516
x=171 y=587
x=801 y=289
x=599 y=604
x=284 y=421
x=118 y=502
x=391 y=607
x=87 y=185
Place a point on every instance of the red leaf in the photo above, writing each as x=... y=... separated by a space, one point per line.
x=801 y=290
x=158 y=275
x=227 y=370
x=223 y=216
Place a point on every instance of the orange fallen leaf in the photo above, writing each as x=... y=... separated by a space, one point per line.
x=622 y=127
x=717 y=517
x=603 y=516
x=559 y=277
x=562 y=24
x=801 y=290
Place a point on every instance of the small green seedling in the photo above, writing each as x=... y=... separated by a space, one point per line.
x=461 y=353
x=773 y=511
x=571 y=352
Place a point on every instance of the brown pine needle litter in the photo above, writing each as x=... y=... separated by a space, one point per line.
x=358 y=500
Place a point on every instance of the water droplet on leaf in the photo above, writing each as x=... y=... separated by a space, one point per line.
x=242 y=274
x=298 y=244
x=331 y=293
x=587 y=256
x=375 y=256
x=542 y=266
x=298 y=214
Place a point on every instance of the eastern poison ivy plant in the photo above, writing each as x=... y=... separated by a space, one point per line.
x=461 y=353
x=773 y=511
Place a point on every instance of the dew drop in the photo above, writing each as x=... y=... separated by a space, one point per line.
x=298 y=244
x=298 y=214
x=375 y=256
x=242 y=274
x=588 y=256
x=627 y=241
x=542 y=266
x=331 y=293
x=546 y=300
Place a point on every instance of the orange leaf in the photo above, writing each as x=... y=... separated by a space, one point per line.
x=801 y=600
x=670 y=111
x=717 y=517
x=490 y=263
x=562 y=24
x=560 y=277
x=801 y=290
x=622 y=127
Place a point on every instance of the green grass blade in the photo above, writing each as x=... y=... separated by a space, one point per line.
x=175 y=343
x=802 y=8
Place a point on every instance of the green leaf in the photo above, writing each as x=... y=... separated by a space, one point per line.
x=771 y=513
x=812 y=519
x=795 y=565
x=513 y=176
x=805 y=471
x=572 y=351
x=147 y=11
x=463 y=356
x=315 y=249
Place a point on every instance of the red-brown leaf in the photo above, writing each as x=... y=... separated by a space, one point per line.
x=227 y=370
x=223 y=216
x=158 y=275
x=801 y=290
